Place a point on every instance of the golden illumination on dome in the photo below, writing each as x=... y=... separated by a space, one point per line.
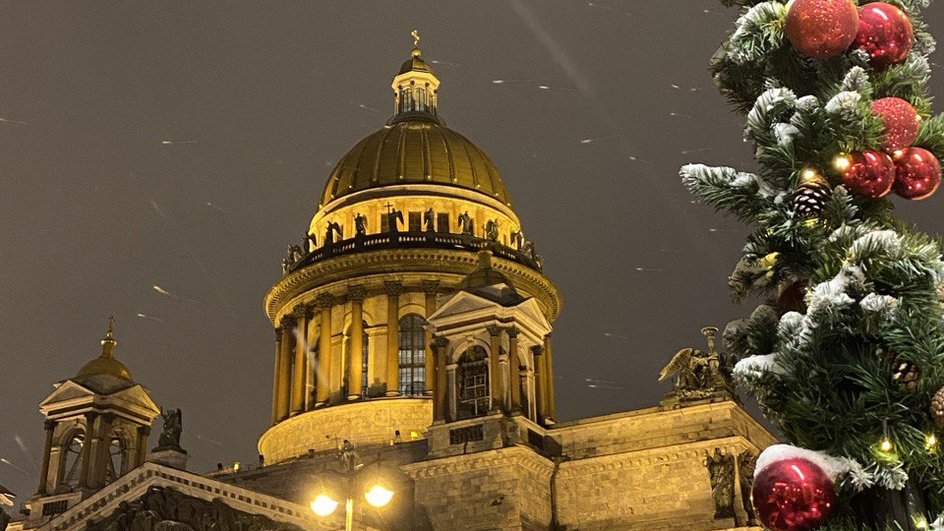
x=415 y=152
x=415 y=147
x=106 y=362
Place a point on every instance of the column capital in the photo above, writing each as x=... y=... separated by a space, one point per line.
x=49 y=424
x=324 y=300
x=537 y=350
x=356 y=293
x=393 y=287
x=440 y=341
x=513 y=332
x=145 y=431
x=493 y=330
x=431 y=287
x=287 y=322
x=300 y=312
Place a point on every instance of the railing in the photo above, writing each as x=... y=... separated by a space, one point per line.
x=415 y=240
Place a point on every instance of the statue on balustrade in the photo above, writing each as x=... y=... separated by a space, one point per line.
x=312 y=241
x=360 y=225
x=394 y=218
x=333 y=229
x=491 y=230
x=465 y=224
x=746 y=462
x=698 y=374
x=517 y=239
x=429 y=220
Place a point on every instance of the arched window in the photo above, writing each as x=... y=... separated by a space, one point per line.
x=472 y=383
x=364 y=357
x=71 y=459
x=412 y=355
x=115 y=467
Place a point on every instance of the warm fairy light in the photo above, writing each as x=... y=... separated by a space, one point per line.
x=886 y=445
x=842 y=162
x=921 y=522
x=323 y=505
x=931 y=442
x=378 y=496
x=808 y=174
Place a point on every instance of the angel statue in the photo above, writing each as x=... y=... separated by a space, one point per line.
x=465 y=223
x=698 y=373
x=173 y=425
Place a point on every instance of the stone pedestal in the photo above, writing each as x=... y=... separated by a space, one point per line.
x=172 y=457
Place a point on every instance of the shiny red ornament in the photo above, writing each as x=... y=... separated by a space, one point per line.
x=885 y=33
x=917 y=173
x=822 y=28
x=901 y=122
x=793 y=495
x=869 y=173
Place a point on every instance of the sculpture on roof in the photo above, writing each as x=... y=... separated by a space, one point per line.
x=394 y=218
x=721 y=473
x=333 y=229
x=465 y=223
x=698 y=374
x=429 y=220
x=170 y=434
x=517 y=239
x=360 y=224
x=491 y=230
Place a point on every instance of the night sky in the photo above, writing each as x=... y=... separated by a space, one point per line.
x=157 y=157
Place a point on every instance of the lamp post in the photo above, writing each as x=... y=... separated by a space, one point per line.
x=376 y=495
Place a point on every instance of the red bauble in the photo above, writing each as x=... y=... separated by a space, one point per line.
x=884 y=33
x=917 y=173
x=869 y=173
x=901 y=122
x=822 y=28
x=793 y=495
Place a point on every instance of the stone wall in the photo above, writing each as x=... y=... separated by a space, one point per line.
x=367 y=423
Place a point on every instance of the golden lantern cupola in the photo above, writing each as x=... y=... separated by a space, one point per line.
x=415 y=88
x=106 y=363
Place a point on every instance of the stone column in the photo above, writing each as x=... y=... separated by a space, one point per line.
x=514 y=364
x=453 y=400
x=540 y=399
x=285 y=368
x=439 y=388
x=276 y=377
x=85 y=456
x=102 y=451
x=143 y=433
x=550 y=406
x=430 y=288
x=301 y=359
x=495 y=379
x=393 y=338
x=49 y=425
x=323 y=372
x=356 y=295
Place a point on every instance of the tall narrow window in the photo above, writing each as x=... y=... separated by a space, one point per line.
x=71 y=459
x=442 y=222
x=412 y=355
x=416 y=223
x=472 y=382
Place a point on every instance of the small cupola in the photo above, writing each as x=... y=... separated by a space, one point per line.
x=415 y=88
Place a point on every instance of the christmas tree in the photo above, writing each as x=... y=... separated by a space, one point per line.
x=846 y=355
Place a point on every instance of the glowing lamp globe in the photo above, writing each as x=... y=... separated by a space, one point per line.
x=378 y=496
x=323 y=505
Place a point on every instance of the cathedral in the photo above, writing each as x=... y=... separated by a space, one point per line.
x=413 y=383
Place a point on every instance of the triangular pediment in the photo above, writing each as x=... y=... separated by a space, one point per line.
x=461 y=303
x=67 y=391
x=154 y=493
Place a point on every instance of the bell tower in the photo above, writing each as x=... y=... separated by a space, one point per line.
x=97 y=426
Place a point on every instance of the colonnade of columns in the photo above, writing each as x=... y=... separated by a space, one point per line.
x=292 y=376
x=510 y=381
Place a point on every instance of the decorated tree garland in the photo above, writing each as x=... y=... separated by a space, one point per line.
x=846 y=357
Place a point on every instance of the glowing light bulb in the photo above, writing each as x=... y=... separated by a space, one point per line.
x=931 y=442
x=842 y=162
x=323 y=505
x=378 y=496
x=886 y=445
x=808 y=174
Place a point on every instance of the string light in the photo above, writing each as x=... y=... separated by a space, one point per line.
x=808 y=174
x=842 y=162
x=931 y=442
x=886 y=445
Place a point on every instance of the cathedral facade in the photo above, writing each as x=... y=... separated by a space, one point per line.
x=413 y=383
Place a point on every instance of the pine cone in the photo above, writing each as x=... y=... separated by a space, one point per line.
x=906 y=374
x=811 y=195
x=937 y=409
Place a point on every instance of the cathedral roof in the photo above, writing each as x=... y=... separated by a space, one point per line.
x=415 y=147
x=106 y=364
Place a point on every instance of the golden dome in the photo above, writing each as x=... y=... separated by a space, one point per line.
x=415 y=152
x=106 y=362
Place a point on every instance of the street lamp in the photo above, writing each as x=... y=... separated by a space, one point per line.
x=377 y=495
